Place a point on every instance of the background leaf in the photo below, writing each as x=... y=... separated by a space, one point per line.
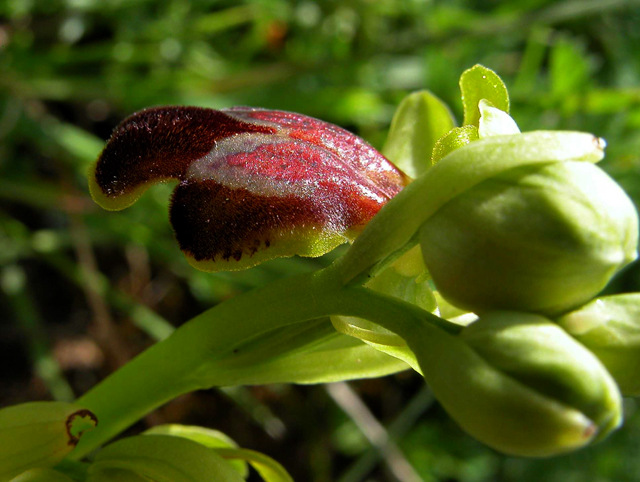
x=41 y=475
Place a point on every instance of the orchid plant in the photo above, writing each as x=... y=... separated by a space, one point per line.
x=477 y=253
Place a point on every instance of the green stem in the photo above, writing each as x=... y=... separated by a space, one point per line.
x=396 y=315
x=183 y=362
x=175 y=366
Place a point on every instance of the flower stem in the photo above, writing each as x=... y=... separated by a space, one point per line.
x=183 y=362
x=175 y=365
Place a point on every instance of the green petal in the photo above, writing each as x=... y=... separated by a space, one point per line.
x=495 y=122
x=478 y=83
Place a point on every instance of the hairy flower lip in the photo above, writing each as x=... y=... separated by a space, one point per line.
x=254 y=184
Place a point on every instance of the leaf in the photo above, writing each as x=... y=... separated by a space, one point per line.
x=568 y=69
x=456 y=137
x=478 y=83
x=41 y=475
x=420 y=120
x=253 y=184
x=117 y=475
x=162 y=458
x=269 y=469
x=39 y=434
x=311 y=352
x=403 y=353
x=205 y=436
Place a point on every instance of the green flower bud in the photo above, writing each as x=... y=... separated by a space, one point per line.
x=520 y=384
x=610 y=328
x=537 y=238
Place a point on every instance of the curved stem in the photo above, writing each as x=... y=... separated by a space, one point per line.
x=173 y=366
x=182 y=362
x=391 y=313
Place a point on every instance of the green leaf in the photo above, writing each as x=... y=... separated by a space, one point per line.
x=205 y=436
x=403 y=353
x=456 y=137
x=269 y=469
x=309 y=353
x=479 y=83
x=41 y=475
x=420 y=120
x=162 y=458
x=117 y=475
x=568 y=69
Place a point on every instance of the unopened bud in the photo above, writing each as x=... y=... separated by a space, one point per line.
x=610 y=328
x=520 y=384
x=538 y=238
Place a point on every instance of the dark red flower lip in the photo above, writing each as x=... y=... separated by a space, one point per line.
x=254 y=184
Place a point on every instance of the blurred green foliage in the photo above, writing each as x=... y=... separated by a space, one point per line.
x=70 y=70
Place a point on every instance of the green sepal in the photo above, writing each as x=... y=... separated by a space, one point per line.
x=420 y=120
x=479 y=83
x=456 y=137
x=162 y=458
x=41 y=475
x=206 y=436
x=269 y=469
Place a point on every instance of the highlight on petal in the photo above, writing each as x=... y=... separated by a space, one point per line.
x=254 y=184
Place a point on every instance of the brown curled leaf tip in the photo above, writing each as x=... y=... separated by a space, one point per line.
x=254 y=184
x=78 y=423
